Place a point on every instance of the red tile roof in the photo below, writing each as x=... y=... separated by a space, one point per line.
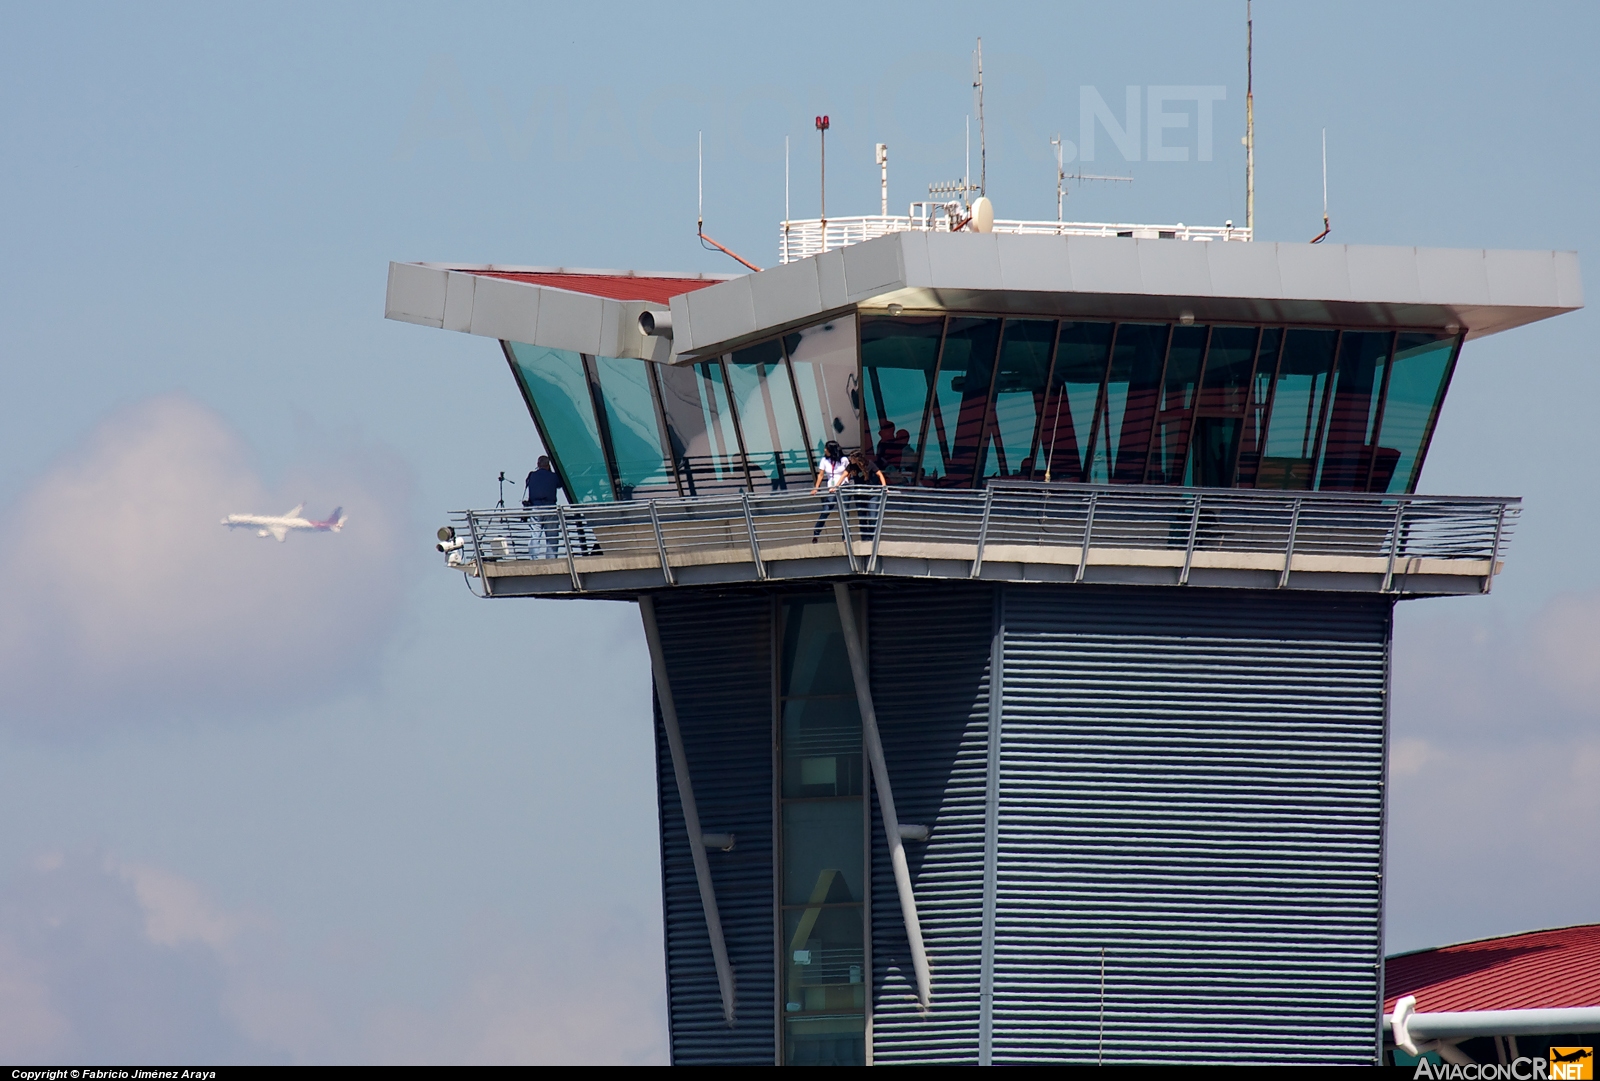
x=1536 y=970
x=611 y=286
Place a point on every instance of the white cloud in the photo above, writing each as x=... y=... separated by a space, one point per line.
x=107 y=961
x=121 y=594
x=590 y=992
x=176 y=911
x=1495 y=773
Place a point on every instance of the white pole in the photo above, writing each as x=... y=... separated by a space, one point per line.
x=880 y=780
x=786 y=179
x=1249 y=122
x=691 y=814
x=883 y=163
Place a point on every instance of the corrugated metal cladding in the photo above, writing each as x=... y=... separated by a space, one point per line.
x=1191 y=782
x=929 y=651
x=719 y=655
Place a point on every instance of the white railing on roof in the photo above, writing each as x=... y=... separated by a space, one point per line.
x=813 y=236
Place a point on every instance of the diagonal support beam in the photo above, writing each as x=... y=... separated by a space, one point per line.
x=880 y=781
x=691 y=814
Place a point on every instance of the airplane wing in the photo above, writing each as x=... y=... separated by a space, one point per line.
x=279 y=531
x=294 y=511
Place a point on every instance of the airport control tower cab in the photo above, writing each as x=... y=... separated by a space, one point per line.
x=1018 y=598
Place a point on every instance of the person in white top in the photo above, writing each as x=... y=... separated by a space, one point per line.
x=831 y=470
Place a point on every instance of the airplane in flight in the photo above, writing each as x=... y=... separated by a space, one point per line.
x=267 y=525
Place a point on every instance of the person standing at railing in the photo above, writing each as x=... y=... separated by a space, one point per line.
x=833 y=471
x=539 y=491
x=861 y=471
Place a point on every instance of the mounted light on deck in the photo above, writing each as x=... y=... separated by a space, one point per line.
x=656 y=324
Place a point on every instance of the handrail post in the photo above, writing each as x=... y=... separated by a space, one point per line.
x=1494 y=549
x=566 y=546
x=1088 y=529
x=661 y=545
x=1188 y=551
x=750 y=527
x=1394 y=544
x=983 y=532
x=477 y=550
x=1288 y=550
x=691 y=813
x=844 y=528
x=882 y=496
x=880 y=781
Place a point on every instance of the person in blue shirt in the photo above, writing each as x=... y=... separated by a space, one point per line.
x=542 y=485
x=540 y=490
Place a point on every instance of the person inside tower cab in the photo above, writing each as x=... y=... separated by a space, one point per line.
x=832 y=469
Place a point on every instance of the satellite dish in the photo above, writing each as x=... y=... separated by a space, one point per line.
x=982 y=215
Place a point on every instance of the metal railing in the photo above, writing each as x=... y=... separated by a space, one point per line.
x=1004 y=522
x=799 y=239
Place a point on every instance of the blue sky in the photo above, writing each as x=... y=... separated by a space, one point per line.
x=314 y=802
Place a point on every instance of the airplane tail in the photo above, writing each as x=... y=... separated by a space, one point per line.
x=335 y=521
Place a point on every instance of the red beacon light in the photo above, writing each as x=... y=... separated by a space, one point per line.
x=822 y=123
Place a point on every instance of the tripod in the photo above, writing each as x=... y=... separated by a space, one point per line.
x=502 y=504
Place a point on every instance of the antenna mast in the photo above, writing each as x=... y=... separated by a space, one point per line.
x=983 y=144
x=1061 y=177
x=1326 y=228
x=822 y=133
x=1249 y=121
x=700 y=216
x=883 y=164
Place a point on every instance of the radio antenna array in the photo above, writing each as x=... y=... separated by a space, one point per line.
x=983 y=144
x=1062 y=176
x=1249 y=120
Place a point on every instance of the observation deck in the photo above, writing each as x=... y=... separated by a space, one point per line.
x=1399 y=545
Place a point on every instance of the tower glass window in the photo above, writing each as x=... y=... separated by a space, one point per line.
x=631 y=424
x=556 y=388
x=899 y=356
x=822 y=815
x=957 y=401
x=763 y=400
x=823 y=359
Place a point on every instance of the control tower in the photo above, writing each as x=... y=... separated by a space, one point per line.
x=1068 y=743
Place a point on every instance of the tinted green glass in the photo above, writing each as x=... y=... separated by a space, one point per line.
x=700 y=427
x=961 y=400
x=815 y=661
x=1175 y=402
x=1352 y=411
x=1416 y=387
x=1220 y=409
x=1082 y=350
x=823 y=358
x=822 y=851
x=768 y=418
x=554 y=380
x=826 y=1041
x=898 y=355
x=1304 y=373
x=1258 y=404
x=822 y=841
x=1019 y=396
x=631 y=424
x=821 y=748
x=1122 y=440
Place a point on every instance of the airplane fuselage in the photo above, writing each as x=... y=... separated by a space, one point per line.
x=280 y=525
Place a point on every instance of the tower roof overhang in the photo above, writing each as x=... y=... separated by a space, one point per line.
x=1483 y=291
